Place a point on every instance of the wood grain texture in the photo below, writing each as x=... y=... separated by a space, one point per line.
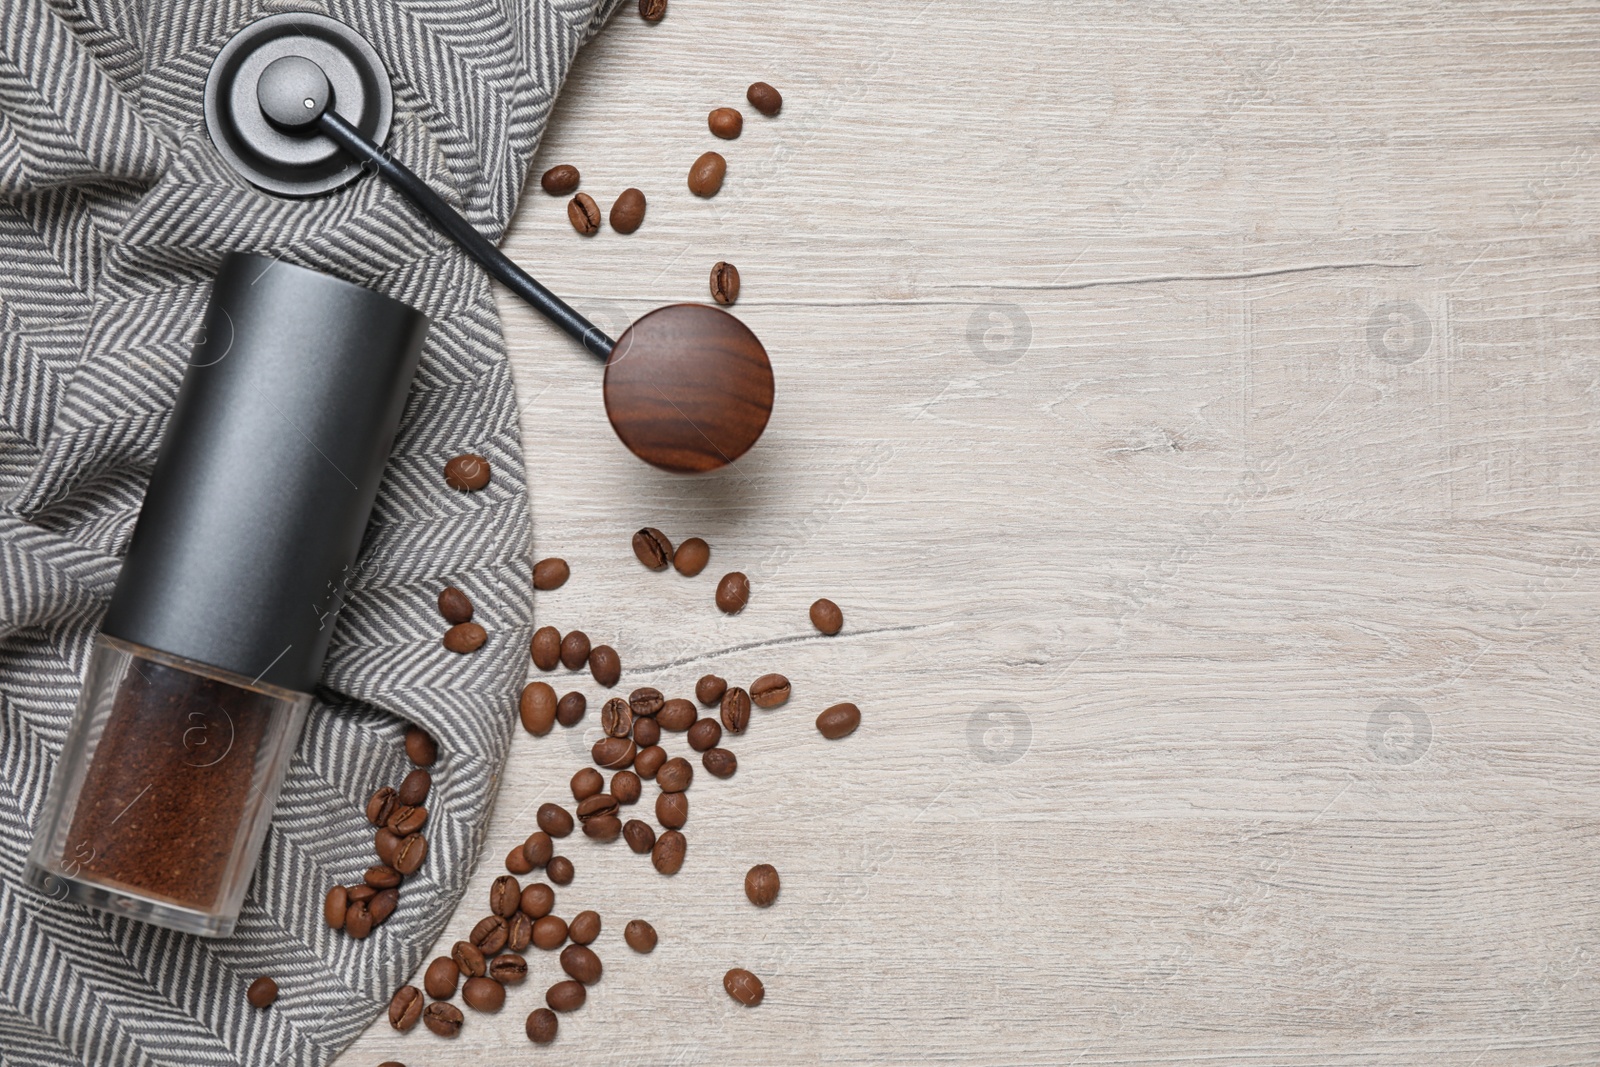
x=1193 y=408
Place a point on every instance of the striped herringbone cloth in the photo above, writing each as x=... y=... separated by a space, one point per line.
x=114 y=213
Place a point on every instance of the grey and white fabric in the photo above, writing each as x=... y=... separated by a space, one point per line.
x=114 y=212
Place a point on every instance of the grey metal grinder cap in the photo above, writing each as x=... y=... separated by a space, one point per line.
x=266 y=476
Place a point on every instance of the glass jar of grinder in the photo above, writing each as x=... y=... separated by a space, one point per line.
x=200 y=678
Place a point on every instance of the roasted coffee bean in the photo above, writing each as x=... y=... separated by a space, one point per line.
x=584 y=214
x=570 y=709
x=613 y=752
x=574 y=650
x=761 y=885
x=672 y=810
x=409 y=856
x=736 y=710
x=550 y=932
x=465 y=637
x=646 y=732
x=551 y=573
x=386 y=843
x=490 y=934
x=602 y=828
x=839 y=720
x=537 y=900
x=628 y=212
x=724 y=290
x=744 y=987
x=542 y=1024
x=559 y=870
x=640 y=935
x=381 y=805
x=415 y=787
x=391 y=1063
x=652 y=10
x=467 y=472
x=519 y=932
x=421 y=749
x=733 y=592
x=769 y=691
x=645 y=702
x=585 y=784
x=263 y=991
x=584 y=928
x=505 y=896
x=560 y=179
x=675 y=775
x=443 y=1018
x=441 y=977
x=360 y=894
x=333 y=906
x=538 y=848
x=705 y=734
x=706 y=174
x=625 y=786
x=649 y=761
x=545 y=648
x=382 y=905
x=725 y=122
x=764 y=98
x=565 y=996
x=405 y=1007
x=596 y=806
x=517 y=861
x=667 y=856
x=554 y=820
x=454 y=605
x=652 y=548
x=615 y=718
x=605 y=665
x=509 y=969
x=407 y=820
x=581 y=962
x=826 y=616
x=358 y=920
x=469 y=958
x=537 y=708
x=677 y=715
x=720 y=762
x=709 y=689
x=691 y=557
x=382 y=877
x=483 y=994
x=641 y=837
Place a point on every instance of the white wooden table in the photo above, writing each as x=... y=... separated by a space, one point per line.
x=1193 y=407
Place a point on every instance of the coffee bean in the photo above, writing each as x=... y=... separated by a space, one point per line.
x=554 y=820
x=570 y=709
x=761 y=885
x=645 y=702
x=565 y=996
x=724 y=290
x=560 y=179
x=605 y=665
x=538 y=848
x=584 y=928
x=550 y=932
x=769 y=691
x=467 y=472
x=391 y=1063
x=454 y=605
x=826 y=616
x=705 y=734
x=586 y=783
x=839 y=720
x=517 y=861
x=649 y=761
x=405 y=1007
x=381 y=805
x=677 y=715
x=415 y=786
x=709 y=689
x=764 y=98
x=358 y=920
x=736 y=710
x=744 y=987
x=640 y=935
x=652 y=548
x=613 y=752
x=602 y=828
x=615 y=718
x=725 y=122
x=443 y=1018
x=382 y=877
x=625 y=786
x=675 y=775
x=409 y=856
x=597 y=805
x=733 y=592
x=628 y=212
x=441 y=977
x=584 y=214
x=420 y=748
x=559 y=870
x=545 y=648
x=574 y=650
x=510 y=969
x=672 y=810
x=469 y=959
x=542 y=1024
x=381 y=906
x=408 y=819
x=667 y=856
x=537 y=708
x=581 y=962
x=333 y=906
x=706 y=174
x=263 y=991
x=639 y=835
x=483 y=994
x=652 y=10
x=505 y=896
x=551 y=573
x=537 y=900
x=386 y=843
x=360 y=894
x=646 y=732
x=490 y=934
x=720 y=762
x=519 y=932
x=691 y=557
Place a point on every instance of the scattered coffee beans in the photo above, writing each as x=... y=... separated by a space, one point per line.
x=334 y=905
x=574 y=650
x=483 y=994
x=570 y=709
x=405 y=1007
x=735 y=710
x=709 y=689
x=581 y=963
x=645 y=702
x=725 y=122
x=649 y=761
x=720 y=762
x=605 y=665
x=554 y=820
x=517 y=862
x=560 y=180
x=676 y=715
x=467 y=472
x=769 y=691
x=490 y=935
x=549 y=932
x=744 y=987
x=542 y=1024
x=616 y=718
x=705 y=176
x=764 y=98
x=628 y=212
x=420 y=748
x=550 y=574
x=675 y=775
x=761 y=885
x=639 y=835
x=584 y=928
x=667 y=855
x=585 y=784
x=414 y=787
x=652 y=10
x=455 y=606
x=839 y=720
x=597 y=806
x=510 y=969
x=646 y=732
x=826 y=616
x=733 y=593
x=443 y=1018
x=559 y=870
x=652 y=548
x=724 y=282
x=468 y=958
x=672 y=810
x=440 y=979
x=505 y=896
x=537 y=900
x=640 y=935
x=613 y=753
x=565 y=996
x=584 y=214
x=538 y=848
x=537 y=708
x=262 y=992
x=625 y=786
x=705 y=734
x=545 y=648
